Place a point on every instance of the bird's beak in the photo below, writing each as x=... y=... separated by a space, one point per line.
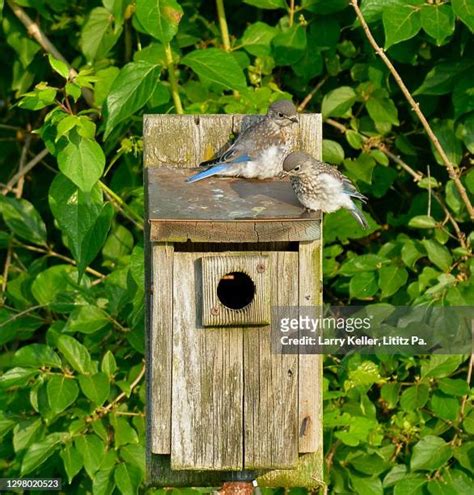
x=282 y=174
x=294 y=119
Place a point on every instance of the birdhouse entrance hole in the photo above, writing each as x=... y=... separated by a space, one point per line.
x=236 y=290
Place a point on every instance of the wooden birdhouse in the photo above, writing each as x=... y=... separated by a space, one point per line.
x=221 y=253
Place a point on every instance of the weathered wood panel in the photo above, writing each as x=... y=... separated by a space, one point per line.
x=207 y=380
x=161 y=337
x=244 y=231
x=271 y=382
x=214 y=268
x=187 y=140
x=310 y=365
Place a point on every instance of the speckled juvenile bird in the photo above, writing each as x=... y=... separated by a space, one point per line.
x=259 y=150
x=320 y=186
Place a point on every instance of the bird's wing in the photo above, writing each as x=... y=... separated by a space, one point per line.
x=347 y=184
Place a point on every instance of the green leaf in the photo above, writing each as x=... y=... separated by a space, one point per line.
x=257 y=38
x=72 y=461
x=439 y=366
x=412 y=251
x=130 y=91
x=23 y=220
x=62 y=392
x=465 y=455
x=464 y=9
x=438 y=254
x=442 y=77
x=444 y=406
x=363 y=285
x=124 y=432
x=338 y=102
x=289 y=46
x=26 y=433
x=16 y=377
x=366 y=485
x=354 y=139
x=82 y=217
x=36 y=356
x=95 y=387
x=454 y=386
x=160 y=18
x=59 y=66
x=401 y=22
x=98 y=35
x=108 y=365
x=451 y=144
x=52 y=283
x=267 y=4
x=463 y=96
x=214 y=66
x=128 y=478
x=412 y=484
x=75 y=354
x=87 y=319
x=414 y=397
x=382 y=111
x=437 y=21
x=422 y=222
x=333 y=152
x=41 y=97
x=430 y=453
x=82 y=161
x=39 y=453
x=391 y=279
x=92 y=451
x=389 y=393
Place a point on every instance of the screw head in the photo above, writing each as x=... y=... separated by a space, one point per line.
x=214 y=310
x=260 y=268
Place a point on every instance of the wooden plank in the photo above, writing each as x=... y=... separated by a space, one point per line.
x=310 y=394
x=245 y=231
x=271 y=382
x=257 y=268
x=310 y=137
x=161 y=336
x=207 y=380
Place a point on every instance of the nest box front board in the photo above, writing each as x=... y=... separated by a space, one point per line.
x=220 y=254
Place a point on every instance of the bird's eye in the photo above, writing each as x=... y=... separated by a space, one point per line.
x=297 y=168
x=280 y=114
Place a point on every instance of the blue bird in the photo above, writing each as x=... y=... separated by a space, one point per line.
x=258 y=152
x=320 y=186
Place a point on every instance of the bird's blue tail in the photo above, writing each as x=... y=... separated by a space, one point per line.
x=359 y=216
x=214 y=170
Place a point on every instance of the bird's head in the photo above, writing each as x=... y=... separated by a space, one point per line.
x=296 y=163
x=283 y=113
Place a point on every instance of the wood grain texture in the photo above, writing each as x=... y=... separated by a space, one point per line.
x=271 y=382
x=187 y=140
x=272 y=231
x=161 y=336
x=207 y=380
x=214 y=268
x=310 y=394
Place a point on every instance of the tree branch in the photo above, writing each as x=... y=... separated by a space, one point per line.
x=223 y=25
x=172 y=78
x=310 y=95
x=417 y=176
x=416 y=108
x=22 y=172
x=35 y=32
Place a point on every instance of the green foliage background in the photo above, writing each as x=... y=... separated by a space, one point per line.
x=71 y=322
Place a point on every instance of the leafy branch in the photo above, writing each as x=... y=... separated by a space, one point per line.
x=416 y=108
